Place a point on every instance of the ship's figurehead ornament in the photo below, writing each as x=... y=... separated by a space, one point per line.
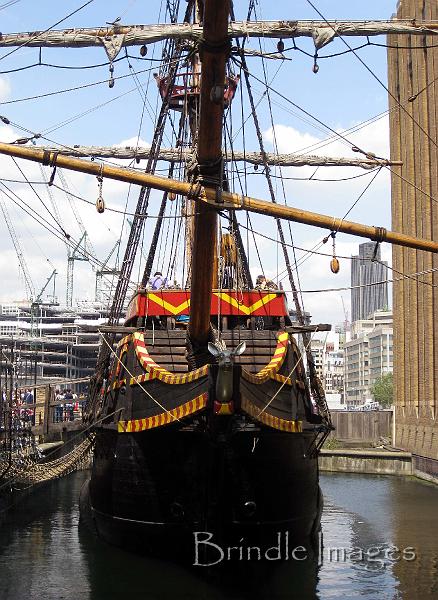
x=225 y=358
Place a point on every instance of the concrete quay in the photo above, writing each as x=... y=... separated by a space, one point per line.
x=373 y=461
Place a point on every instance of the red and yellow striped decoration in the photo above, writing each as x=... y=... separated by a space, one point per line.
x=288 y=381
x=120 y=356
x=273 y=366
x=149 y=365
x=124 y=341
x=164 y=418
x=253 y=411
x=141 y=379
x=281 y=379
x=116 y=384
x=122 y=349
x=154 y=371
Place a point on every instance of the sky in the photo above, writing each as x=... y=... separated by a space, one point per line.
x=342 y=95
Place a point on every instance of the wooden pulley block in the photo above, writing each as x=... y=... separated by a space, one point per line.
x=334 y=265
x=100 y=205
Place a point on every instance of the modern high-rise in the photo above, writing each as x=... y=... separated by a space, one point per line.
x=367 y=270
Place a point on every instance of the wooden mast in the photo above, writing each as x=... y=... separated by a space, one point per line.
x=209 y=196
x=213 y=54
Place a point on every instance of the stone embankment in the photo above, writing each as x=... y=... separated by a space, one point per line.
x=369 y=460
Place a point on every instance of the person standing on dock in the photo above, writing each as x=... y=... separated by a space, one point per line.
x=59 y=409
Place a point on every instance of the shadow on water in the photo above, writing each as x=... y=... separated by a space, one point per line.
x=115 y=573
x=44 y=555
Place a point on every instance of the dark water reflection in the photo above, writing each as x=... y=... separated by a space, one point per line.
x=44 y=556
x=394 y=522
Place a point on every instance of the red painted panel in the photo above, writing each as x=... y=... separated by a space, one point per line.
x=226 y=302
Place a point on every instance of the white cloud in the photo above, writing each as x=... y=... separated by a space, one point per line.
x=132 y=143
x=372 y=138
x=7 y=134
x=5 y=89
x=104 y=229
x=36 y=242
x=330 y=198
x=345 y=192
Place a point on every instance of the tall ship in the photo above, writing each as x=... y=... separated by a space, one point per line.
x=206 y=409
x=208 y=420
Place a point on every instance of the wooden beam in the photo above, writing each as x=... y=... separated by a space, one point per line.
x=308 y=328
x=137 y=35
x=229 y=200
x=116 y=329
x=255 y=158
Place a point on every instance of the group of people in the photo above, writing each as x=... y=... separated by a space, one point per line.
x=265 y=284
x=68 y=404
x=21 y=410
x=158 y=282
x=26 y=396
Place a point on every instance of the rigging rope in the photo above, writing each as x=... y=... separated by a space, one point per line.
x=73 y=89
x=111 y=350
x=388 y=91
x=134 y=238
x=76 y=67
x=300 y=359
x=39 y=33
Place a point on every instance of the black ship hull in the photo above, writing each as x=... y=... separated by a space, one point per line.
x=190 y=496
x=178 y=470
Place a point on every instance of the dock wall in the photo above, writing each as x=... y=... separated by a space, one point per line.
x=370 y=461
x=425 y=468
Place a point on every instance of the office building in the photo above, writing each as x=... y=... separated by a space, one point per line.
x=367 y=269
x=367 y=356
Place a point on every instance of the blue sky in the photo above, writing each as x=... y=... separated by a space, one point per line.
x=342 y=94
x=359 y=93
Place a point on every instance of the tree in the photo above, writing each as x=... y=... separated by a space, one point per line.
x=382 y=390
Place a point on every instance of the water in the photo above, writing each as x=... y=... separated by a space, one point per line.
x=45 y=556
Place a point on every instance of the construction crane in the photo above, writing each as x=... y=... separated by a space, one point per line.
x=75 y=253
x=100 y=274
x=83 y=250
x=43 y=289
x=72 y=254
x=71 y=201
x=346 y=321
x=89 y=251
x=79 y=252
x=38 y=302
x=29 y=286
